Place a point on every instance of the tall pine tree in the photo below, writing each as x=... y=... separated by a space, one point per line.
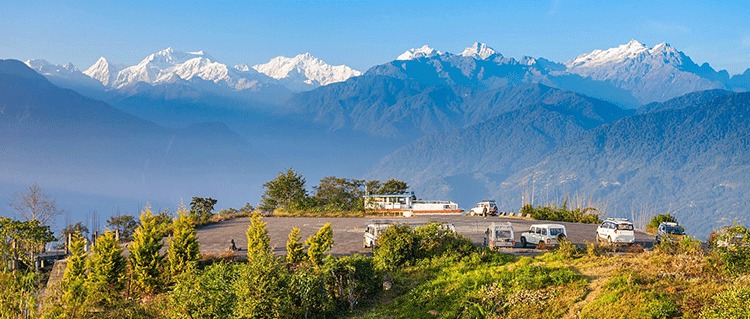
x=258 y=242
x=145 y=260
x=184 y=251
x=294 y=249
x=107 y=271
x=319 y=243
x=74 y=278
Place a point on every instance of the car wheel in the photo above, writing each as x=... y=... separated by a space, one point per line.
x=598 y=239
x=523 y=242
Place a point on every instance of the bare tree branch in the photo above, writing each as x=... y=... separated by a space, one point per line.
x=35 y=205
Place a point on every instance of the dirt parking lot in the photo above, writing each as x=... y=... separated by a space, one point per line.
x=348 y=232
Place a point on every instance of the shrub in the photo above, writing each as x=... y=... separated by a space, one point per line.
x=730 y=304
x=660 y=306
x=654 y=223
x=555 y=213
x=396 y=247
x=733 y=249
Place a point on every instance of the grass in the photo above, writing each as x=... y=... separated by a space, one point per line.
x=566 y=283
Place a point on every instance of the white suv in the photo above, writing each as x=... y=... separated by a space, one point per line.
x=548 y=234
x=616 y=231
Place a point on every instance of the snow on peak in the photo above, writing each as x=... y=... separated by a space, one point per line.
x=48 y=69
x=415 y=53
x=630 y=50
x=305 y=71
x=479 y=51
x=102 y=71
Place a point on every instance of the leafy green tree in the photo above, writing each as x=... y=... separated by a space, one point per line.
x=354 y=278
x=263 y=289
x=373 y=186
x=125 y=226
x=340 y=193
x=286 y=191
x=309 y=294
x=654 y=223
x=258 y=241
x=295 y=251
x=393 y=186
x=107 y=270
x=19 y=291
x=396 y=246
x=74 y=278
x=209 y=293
x=201 y=209
x=145 y=260
x=319 y=243
x=184 y=251
x=78 y=227
x=22 y=241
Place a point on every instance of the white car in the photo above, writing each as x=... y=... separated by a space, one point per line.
x=616 y=231
x=499 y=235
x=487 y=206
x=548 y=234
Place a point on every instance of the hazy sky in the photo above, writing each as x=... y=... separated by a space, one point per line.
x=365 y=33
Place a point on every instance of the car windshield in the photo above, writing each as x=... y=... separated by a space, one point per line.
x=673 y=230
x=555 y=231
x=624 y=226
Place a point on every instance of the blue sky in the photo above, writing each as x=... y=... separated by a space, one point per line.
x=365 y=33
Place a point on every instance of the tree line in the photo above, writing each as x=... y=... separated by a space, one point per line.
x=288 y=193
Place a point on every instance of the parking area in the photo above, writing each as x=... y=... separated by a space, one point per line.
x=348 y=232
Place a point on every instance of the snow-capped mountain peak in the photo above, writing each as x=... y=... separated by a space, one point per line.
x=305 y=68
x=102 y=71
x=650 y=74
x=479 y=51
x=48 y=69
x=623 y=52
x=415 y=53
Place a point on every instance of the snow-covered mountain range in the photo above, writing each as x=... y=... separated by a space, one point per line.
x=645 y=74
x=304 y=71
x=171 y=66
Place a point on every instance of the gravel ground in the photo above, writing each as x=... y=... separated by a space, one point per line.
x=348 y=232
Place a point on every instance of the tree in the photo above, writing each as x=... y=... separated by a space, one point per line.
x=106 y=271
x=201 y=209
x=74 y=278
x=21 y=241
x=258 y=242
x=125 y=226
x=340 y=193
x=72 y=229
x=373 y=186
x=393 y=186
x=286 y=191
x=396 y=246
x=319 y=243
x=184 y=251
x=294 y=249
x=654 y=223
x=35 y=205
x=145 y=260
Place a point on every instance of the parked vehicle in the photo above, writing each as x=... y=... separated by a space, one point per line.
x=616 y=231
x=548 y=234
x=669 y=232
x=483 y=208
x=499 y=235
x=372 y=232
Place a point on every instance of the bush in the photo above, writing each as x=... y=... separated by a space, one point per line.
x=395 y=247
x=730 y=304
x=654 y=223
x=434 y=239
x=563 y=214
x=733 y=249
x=660 y=306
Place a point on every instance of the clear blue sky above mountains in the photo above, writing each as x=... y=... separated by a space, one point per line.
x=365 y=33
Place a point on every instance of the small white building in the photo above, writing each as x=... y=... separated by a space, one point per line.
x=408 y=204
